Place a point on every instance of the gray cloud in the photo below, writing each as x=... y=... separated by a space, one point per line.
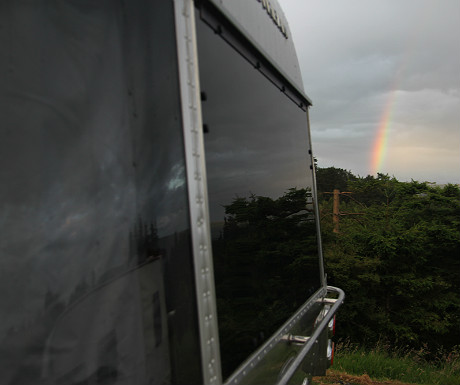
x=357 y=58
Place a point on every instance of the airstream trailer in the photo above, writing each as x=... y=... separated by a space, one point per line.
x=159 y=219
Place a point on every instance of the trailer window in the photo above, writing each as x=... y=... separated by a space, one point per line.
x=260 y=195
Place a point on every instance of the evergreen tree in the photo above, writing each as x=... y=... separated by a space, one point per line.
x=398 y=262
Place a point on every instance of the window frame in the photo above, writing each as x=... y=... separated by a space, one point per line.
x=197 y=182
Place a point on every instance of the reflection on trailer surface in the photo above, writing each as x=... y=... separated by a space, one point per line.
x=115 y=336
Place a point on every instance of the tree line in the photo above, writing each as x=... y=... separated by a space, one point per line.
x=396 y=255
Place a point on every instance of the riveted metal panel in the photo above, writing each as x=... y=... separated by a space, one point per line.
x=196 y=177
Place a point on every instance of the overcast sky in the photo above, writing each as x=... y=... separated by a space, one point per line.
x=388 y=65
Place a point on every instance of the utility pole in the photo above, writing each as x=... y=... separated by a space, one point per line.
x=335 y=210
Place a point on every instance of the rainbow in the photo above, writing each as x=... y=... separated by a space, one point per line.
x=379 y=148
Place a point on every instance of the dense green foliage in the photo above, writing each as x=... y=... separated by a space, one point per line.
x=397 y=256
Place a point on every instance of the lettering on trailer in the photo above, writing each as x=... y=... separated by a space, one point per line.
x=274 y=16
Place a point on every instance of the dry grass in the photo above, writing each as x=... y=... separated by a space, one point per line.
x=383 y=365
x=338 y=378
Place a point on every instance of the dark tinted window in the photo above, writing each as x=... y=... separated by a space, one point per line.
x=260 y=192
x=96 y=282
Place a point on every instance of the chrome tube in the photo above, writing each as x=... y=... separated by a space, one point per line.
x=314 y=337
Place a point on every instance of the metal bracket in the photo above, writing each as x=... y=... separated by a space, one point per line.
x=330 y=301
x=296 y=340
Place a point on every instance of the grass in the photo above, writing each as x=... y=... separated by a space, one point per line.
x=402 y=364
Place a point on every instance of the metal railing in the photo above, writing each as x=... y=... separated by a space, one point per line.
x=314 y=337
